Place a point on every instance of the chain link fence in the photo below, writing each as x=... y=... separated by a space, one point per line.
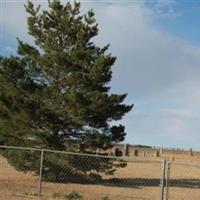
x=46 y=174
x=18 y=177
x=182 y=181
x=96 y=177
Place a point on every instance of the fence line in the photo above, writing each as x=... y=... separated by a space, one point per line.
x=66 y=170
x=56 y=151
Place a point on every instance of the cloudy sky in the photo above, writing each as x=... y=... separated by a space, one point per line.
x=157 y=44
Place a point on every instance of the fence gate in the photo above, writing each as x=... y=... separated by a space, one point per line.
x=182 y=181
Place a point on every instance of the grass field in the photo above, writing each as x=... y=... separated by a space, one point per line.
x=137 y=180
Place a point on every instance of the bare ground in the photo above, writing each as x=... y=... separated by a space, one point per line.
x=138 y=181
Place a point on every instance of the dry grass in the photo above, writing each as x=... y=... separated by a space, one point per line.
x=18 y=186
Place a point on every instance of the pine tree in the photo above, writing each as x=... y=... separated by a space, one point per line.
x=56 y=92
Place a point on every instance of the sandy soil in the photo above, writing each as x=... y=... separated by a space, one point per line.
x=139 y=181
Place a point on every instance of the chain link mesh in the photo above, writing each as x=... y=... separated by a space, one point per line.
x=183 y=181
x=76 y=176
x=97 y=177
x=18 y=173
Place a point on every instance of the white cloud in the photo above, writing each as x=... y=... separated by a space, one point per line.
x=148 y=59
x=164 y=8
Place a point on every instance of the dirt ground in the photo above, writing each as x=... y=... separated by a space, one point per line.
x=139 y=180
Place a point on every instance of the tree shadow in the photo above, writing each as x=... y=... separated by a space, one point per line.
x=145 y=182
x=96 y=179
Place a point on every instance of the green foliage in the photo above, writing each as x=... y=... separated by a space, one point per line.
x=73 y=196
x=30 y=194
x=55 y=93
x=105 y=198
x=23 y=160
x=56 y=195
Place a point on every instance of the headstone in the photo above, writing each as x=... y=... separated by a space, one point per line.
x=190 y=152
x=125 y=150
x=161 y=151
x=114 y=151
x=135 y=152
x=157 y=154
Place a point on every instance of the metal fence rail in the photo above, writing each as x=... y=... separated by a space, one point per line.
x=29 y=172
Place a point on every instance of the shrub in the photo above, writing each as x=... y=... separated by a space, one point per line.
x=56 y=195
x=105 y=198
x=73 y=196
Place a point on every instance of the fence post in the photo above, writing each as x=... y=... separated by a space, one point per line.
x=163 y=180
x=167 y=180
x=40 y=173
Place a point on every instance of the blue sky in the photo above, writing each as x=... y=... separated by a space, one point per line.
x=157 y=44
